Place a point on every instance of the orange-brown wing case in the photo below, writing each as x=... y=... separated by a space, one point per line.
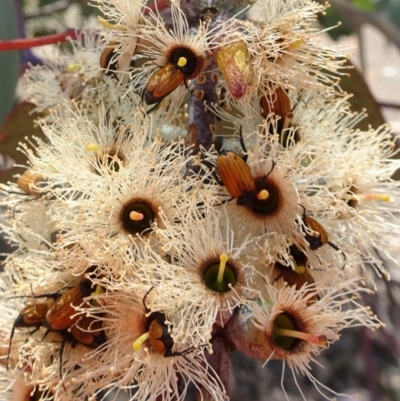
x=235 y=174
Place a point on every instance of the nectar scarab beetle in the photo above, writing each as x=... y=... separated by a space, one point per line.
x=207 y=14
x=32 y=183
x=315 y=234
x=157 y=333
x=88 y=331
x=31 y=316
x=278 y=103
x=235 y=174
x=159 y=337
x=63 y=314
x=298 y=275
x=182 y=65
x=108 y=59
x=318 y=235
x=59 y=315
x=256 y=193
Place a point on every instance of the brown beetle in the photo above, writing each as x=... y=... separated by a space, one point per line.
x=158 y=334
x=298 y=276
x=235 y=174
x=183 y=64
x=159 y=337
x=32 y=183
x=63 y=314
x=88 y=331
x=279 y=103
x=107 y=59
x=319 y=236
x=30 y=316
x=257 y=194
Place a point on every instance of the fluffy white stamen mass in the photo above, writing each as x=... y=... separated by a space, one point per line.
x=133 y=252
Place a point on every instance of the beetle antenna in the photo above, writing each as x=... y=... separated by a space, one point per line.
x=61 y=359
x=169 y=353
x=147 y=112
x=336 y=248
x=272 y=169
x=242 y=144
x=144 y=299
x=276 y=278
x=9 y=345
x=304 y=210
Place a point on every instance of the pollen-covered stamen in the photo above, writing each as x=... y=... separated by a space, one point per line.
x=300 y=269
x=223 y=258
x=108 y=25
x=263 y=195
x=137 y=217
x=285 y=333
x=377 y=197
x=97 y=291
x=318 y=340
x=355 y=198
x=74 y=67
x=182 y=62
x=94 y=147
x=138 y=343
x=220 y=277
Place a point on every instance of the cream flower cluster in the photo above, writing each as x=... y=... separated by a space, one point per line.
x=201 y=188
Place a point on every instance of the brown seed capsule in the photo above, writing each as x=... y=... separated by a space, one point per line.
x=32 y=182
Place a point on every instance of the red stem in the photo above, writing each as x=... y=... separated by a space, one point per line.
x=157 y=5
x=27 y=43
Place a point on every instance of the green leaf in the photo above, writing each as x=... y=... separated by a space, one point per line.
x=18 y=125
x=10 y=60
x=365 y=5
